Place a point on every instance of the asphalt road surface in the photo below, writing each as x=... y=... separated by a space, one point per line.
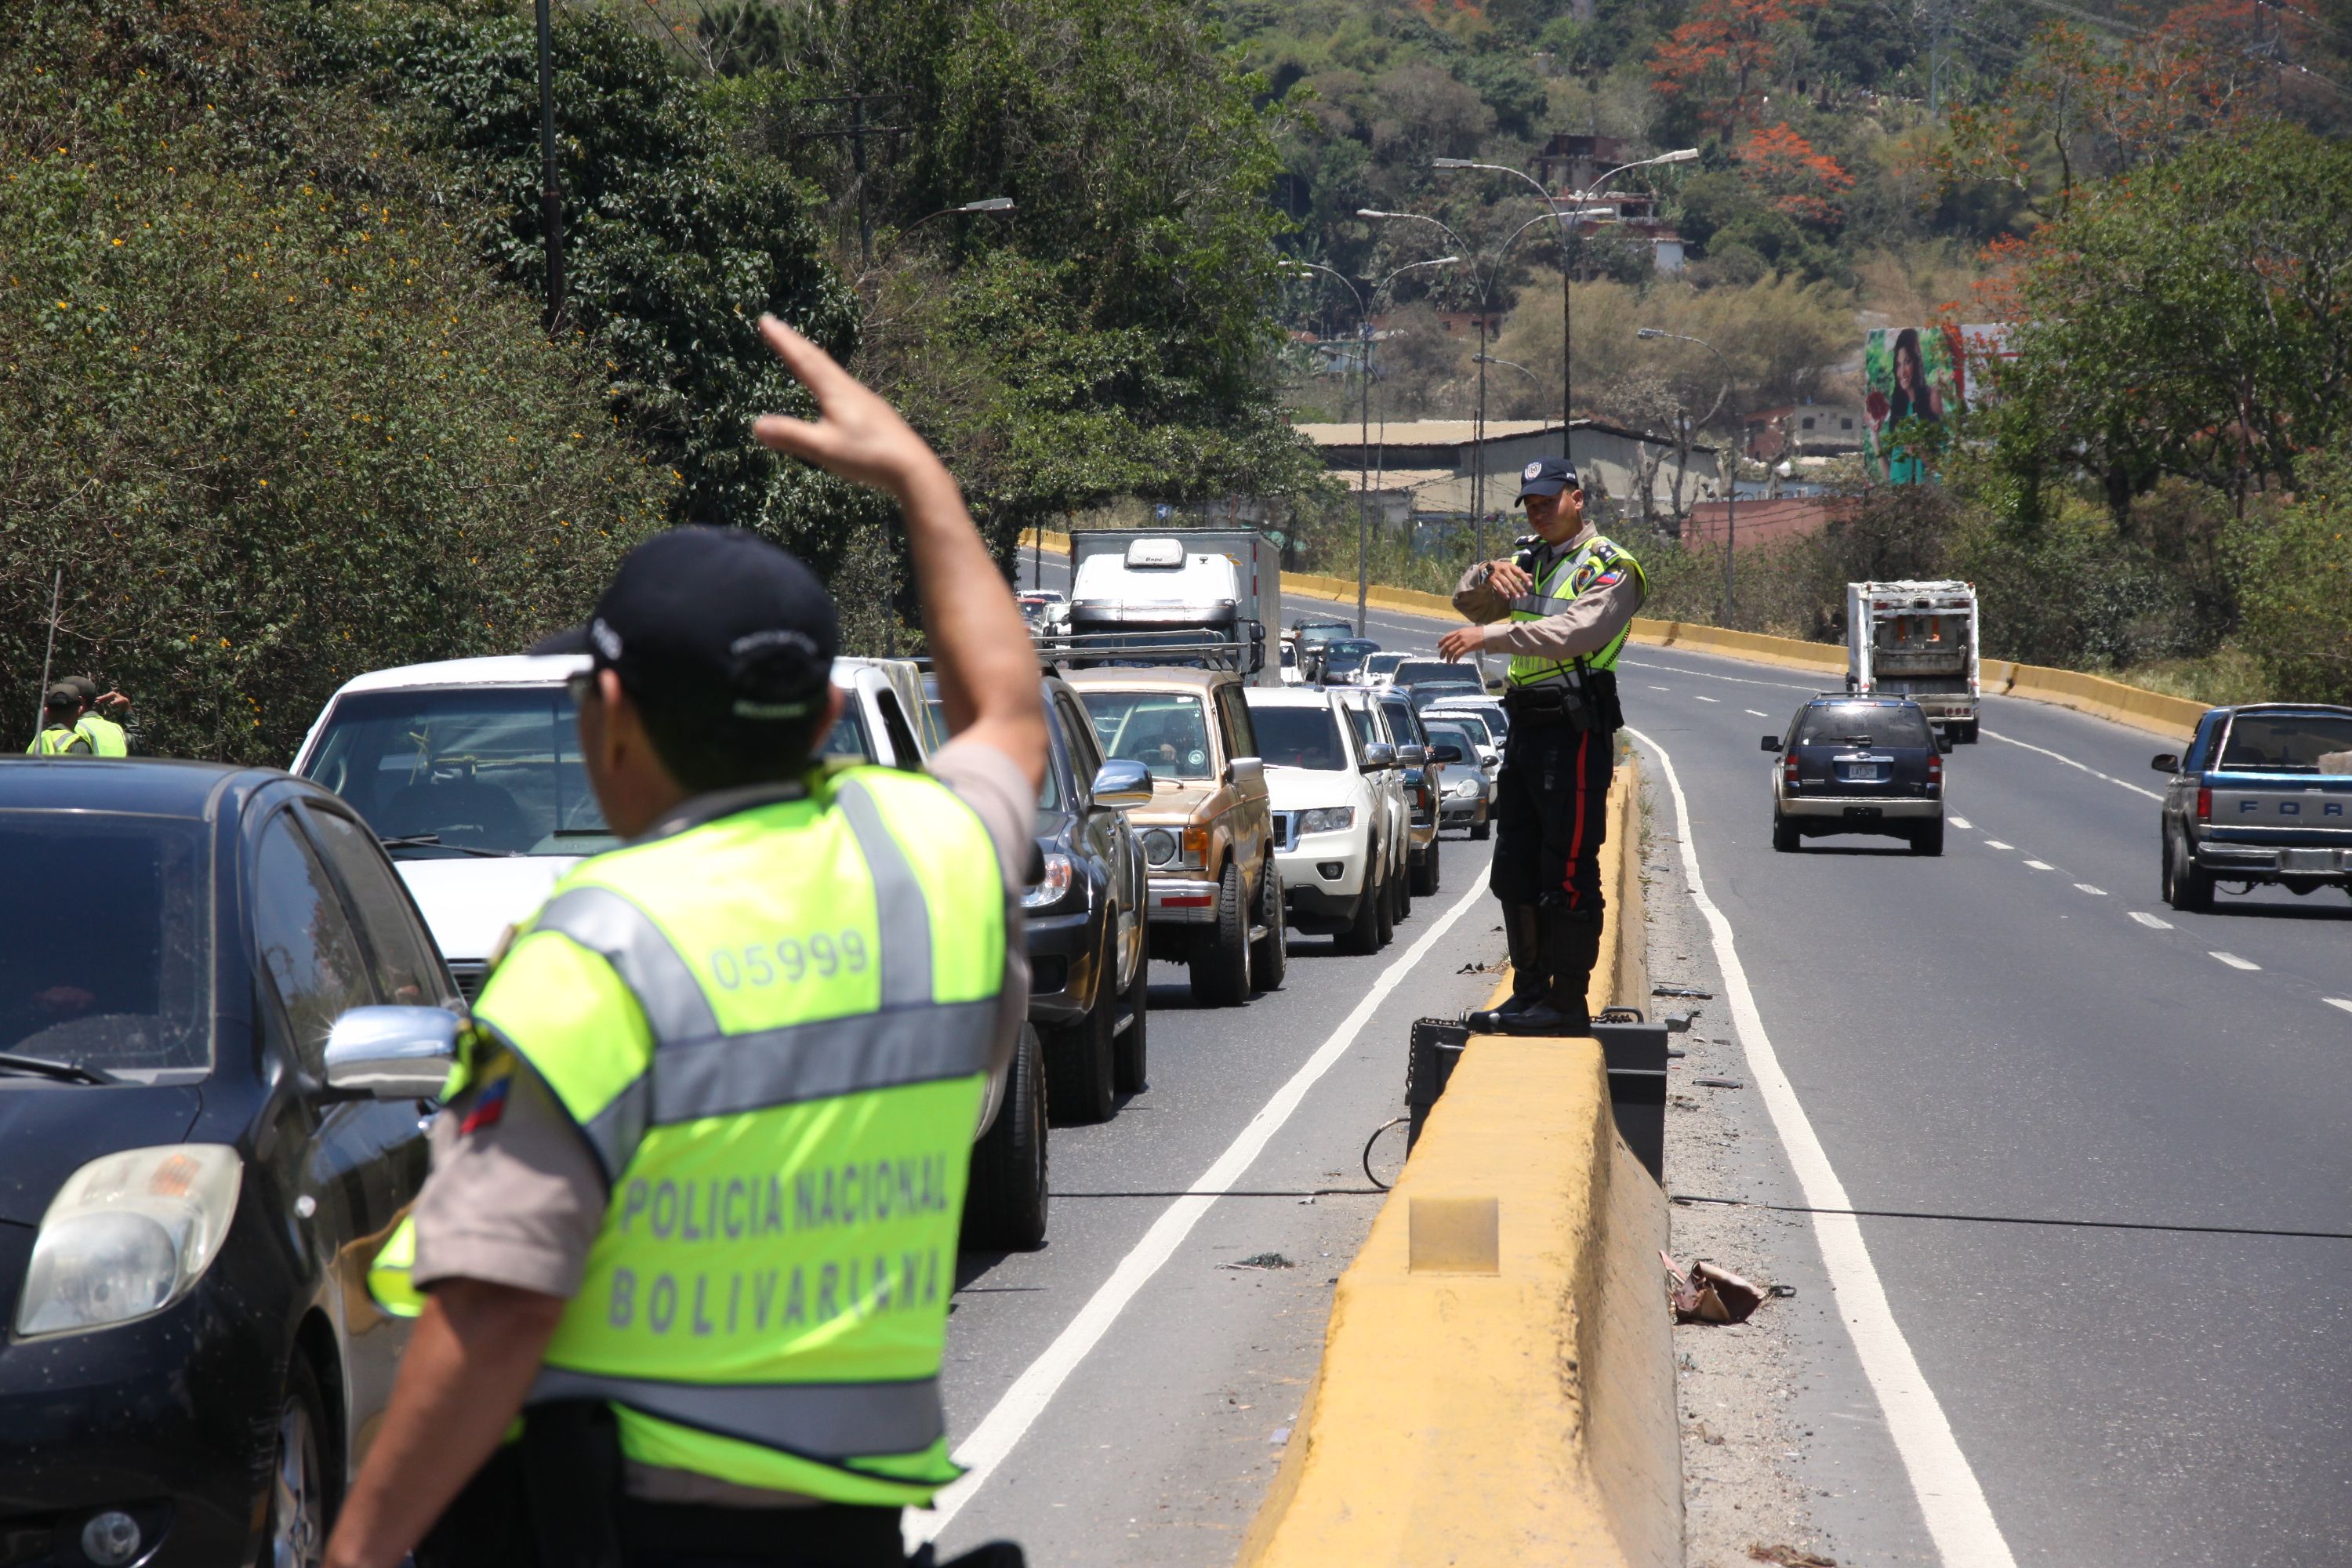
x=2022 y=1030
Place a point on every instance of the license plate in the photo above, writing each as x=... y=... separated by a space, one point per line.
x=1865 y=772
x=2307 y=860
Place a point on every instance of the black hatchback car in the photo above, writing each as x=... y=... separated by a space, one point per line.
x=1089 y=943
x=221 y=1023
x=1859 y=765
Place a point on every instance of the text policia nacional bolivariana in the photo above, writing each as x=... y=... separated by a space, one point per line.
x=736 y=1296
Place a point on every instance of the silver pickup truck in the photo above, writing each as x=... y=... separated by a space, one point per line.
x=2262 y=795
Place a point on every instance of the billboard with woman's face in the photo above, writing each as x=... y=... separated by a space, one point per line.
x=1911 y=372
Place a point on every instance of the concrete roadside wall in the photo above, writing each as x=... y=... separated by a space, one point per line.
x=1497 y=1380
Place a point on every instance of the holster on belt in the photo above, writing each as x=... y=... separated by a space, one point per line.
x=1548 y=705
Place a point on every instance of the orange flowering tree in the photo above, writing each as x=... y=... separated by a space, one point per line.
x=1722 y=62
x=1798 y=180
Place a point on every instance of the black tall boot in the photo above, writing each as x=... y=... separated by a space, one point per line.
x=1569 y=947
x=1528 y=980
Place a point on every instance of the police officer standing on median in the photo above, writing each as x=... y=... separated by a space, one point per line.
x=1562 y=609
x=60 y=733
x=107 y=737
x=693 y=1212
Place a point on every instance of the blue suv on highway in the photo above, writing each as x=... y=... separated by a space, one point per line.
x=1859 y=765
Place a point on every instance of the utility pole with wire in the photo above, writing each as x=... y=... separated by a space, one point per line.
x=550 y=182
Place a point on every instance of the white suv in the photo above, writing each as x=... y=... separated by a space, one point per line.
x=1331 y=821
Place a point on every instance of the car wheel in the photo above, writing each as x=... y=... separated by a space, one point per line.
x=1927 y=837
x=1130 y=1056
x=2188 y=887
x=1005 y=1210
x=1221 y=955
x=1785 y=836
x=1484 y=827
x=1078 y=1066
x=300 y=1507
x=1400 y=891
x=1363 y=932
x=1383 y=918
x=1270 y=955
x=1424 y=876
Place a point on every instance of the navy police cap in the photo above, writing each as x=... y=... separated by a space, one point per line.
x=1548 y=477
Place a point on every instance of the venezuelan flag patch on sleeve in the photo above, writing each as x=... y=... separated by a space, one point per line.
x=490 y=1105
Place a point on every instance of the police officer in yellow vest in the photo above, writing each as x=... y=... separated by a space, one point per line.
x=107 y=738
x=1562 y=609
x=694 y=1206
x=61 y=715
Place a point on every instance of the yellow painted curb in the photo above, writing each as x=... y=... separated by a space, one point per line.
x=1524 y=1414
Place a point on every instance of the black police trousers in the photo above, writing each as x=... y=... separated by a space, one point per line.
x=1551 y=813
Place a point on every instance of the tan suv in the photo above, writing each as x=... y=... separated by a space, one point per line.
x=1207 y=835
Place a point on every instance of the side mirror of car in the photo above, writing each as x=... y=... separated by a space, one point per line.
x=1445 y=753
x=1246 y=775
x=1120 y=783
x=1771 y=743
x=1378 y=757
x=392 y=1053
x=1411 y=756
x=2165 y=762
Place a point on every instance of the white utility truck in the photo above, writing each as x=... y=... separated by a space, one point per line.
x=1916 y=640
x=1168 y=596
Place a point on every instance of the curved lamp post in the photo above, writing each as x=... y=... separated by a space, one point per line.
x=1731 y=489
x=1566 y=332
x=1364 y=429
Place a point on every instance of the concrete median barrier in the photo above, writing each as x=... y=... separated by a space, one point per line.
x=1498 y=1380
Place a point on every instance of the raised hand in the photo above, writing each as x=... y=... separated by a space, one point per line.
x=856 y=436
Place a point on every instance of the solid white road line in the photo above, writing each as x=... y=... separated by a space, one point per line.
x=1997 y=843
x=2337 y=1002
x=1022 y=1404
x=1958 y=1517
x=2071 y=763
x=2151 y=921
x=2235 y=961
x=2042 y=865
x=2094 y=892
x=1962 y=823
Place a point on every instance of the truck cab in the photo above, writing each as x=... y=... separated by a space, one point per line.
x=1915 y=640
x=2262 y=795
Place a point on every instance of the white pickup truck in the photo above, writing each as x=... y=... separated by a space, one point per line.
x=1916 y=640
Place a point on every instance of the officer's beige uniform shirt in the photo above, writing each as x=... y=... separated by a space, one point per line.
x=520 y=1202
x=1588 y=625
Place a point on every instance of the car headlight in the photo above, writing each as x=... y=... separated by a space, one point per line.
x=1158 y=847
x=1176 y=849
x=128 y=1236
x=1053 y=887
x=1468 y=787
x=1327 y=819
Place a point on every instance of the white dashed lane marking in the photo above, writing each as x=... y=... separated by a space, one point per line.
x=2235 y=961
x=2151 y=921
x=1703 y=699
x=1662 y=689
x=2042 y=865
x=1997 y=843
x=1759 y=714
x=2094 y=892
x=1962 y=823
x=2337 y=1002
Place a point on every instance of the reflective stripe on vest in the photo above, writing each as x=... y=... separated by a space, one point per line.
x=57 y=741
x=1552 y=594
x=786 y=1128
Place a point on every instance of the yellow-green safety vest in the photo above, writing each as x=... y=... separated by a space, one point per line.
x=773 y=1028
x=1599 y=562
x=105 y=736
x=57 y=740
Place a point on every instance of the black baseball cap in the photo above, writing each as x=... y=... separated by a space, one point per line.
x=84 y=685
x=1546 y=476
x=714 y=622
x=62 y=695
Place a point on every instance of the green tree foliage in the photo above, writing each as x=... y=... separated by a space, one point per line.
x=257 y=397
x=2189 y=320
x=676 y=236
x=2293 y=565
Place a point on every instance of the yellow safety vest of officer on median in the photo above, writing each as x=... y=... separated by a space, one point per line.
x=1573 y=575
x=731 y=1016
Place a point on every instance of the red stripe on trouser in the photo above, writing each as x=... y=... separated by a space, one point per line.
x=1576 y=839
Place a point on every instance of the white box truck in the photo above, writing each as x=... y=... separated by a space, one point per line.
x=1194 y=595
x=1916 y=640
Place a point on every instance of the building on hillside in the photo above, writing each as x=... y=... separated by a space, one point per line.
x=1800 y=430
x=1761 y=521
x=1422 y=472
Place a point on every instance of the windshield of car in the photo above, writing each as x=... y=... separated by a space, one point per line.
x=1455 y=735
x=1381 y=663
x=2289 y=743
x=1473 y=723
x=106 y=961
x=1310 y=632
x=1165 y=731
x=1344 y=654
x=1864 y=724
x=1290 y=736
x=1443 y=691
x=485 y=769
x=848 y=736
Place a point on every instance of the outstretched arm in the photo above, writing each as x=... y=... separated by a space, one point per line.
x=980 y=651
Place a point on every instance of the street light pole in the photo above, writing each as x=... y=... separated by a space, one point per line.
x=551 y=186
x=1364 y=430
x=1731 y=490
x=1566 y=299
